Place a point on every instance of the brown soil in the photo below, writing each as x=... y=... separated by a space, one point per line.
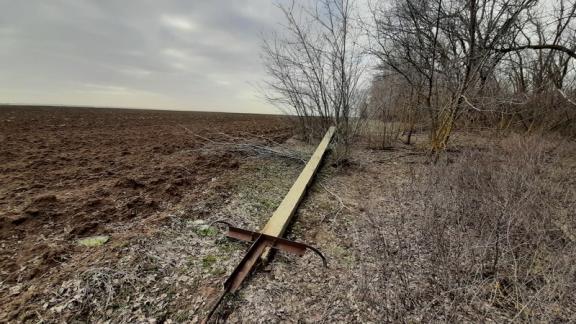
x=70 y=173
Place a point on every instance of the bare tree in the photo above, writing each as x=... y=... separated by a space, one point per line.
x=315 y=65
x=540 y=69
x=450 y=52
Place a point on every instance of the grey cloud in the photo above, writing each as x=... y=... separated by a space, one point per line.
x=185 y=54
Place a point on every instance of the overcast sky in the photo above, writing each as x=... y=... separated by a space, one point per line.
x=170 y=54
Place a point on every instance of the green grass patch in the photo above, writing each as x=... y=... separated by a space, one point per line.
x=206 y=231
x=208 y=261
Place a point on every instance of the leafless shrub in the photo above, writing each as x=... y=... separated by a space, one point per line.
x=497 y=231
x=315 y=67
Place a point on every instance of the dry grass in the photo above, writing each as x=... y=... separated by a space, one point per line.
x=498 y=230
x=486 y=234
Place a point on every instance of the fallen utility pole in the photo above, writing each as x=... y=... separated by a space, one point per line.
x=270 y=237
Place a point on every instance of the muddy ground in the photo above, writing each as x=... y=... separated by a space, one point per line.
x=66 y=174
x=153 y=181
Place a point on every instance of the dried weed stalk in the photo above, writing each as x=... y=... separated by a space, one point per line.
x=497 y=230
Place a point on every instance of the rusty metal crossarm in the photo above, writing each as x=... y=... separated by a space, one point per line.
x=274 y=242
x=260 y=242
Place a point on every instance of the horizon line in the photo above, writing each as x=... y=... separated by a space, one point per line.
x=136 y=108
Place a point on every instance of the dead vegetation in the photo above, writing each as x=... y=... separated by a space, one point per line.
x=488 y=235
x=247 y=144
x=499 y=229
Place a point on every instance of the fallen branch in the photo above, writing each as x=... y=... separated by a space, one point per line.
x=340 y=201
x=233 y=145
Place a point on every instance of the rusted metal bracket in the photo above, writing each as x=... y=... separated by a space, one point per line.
x=270 y=237
x=260 y=242
x=274 y=242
